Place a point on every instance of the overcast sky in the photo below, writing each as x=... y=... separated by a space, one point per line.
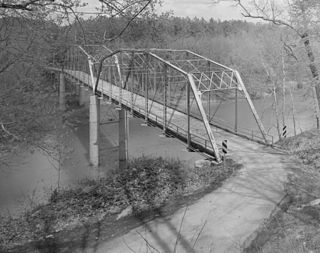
x=192 y=8
x=203 y=8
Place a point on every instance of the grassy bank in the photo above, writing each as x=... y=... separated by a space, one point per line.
x=295 y=226
x=147 y=184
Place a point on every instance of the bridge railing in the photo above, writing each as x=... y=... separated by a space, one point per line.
x=181 y=82
x=211 y=77
x=155 y=80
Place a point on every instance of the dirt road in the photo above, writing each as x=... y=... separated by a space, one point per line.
x=222 y=220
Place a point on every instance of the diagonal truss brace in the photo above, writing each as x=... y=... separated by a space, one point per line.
x=253 y=109
x=204 y=118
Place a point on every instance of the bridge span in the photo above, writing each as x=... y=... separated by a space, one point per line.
x=172 y=89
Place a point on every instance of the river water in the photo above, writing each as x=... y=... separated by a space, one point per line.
x=30 y=176
x=303 y=109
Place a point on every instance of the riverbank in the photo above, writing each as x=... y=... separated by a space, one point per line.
x=148 y=187
x=30 y=174
x=294 y=225
x=61 y=194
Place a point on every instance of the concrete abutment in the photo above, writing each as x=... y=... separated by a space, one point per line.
x=94 y=129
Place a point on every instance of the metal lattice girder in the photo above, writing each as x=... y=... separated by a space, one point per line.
x=166 y=86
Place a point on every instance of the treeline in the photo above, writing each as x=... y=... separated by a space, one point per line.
x=157 y=30
x=255 y=49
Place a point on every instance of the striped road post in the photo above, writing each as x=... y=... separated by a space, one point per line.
x=284 y=132
x=224 y=151
x=225 y=147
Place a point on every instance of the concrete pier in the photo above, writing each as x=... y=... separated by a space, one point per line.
x=62 y=92
x=77 y=88
x=123 y=139
x=94 y=129
x=82 y=95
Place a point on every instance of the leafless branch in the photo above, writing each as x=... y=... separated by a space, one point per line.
x=273 y=18
x=200 y=232
x=289 y=50
x=9 y=133
x=128 y=23
x=128 y=246
x=22 y=6
x=149 y=245
x=179 y=233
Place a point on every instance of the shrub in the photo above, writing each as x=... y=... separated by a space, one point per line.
x=149 y=182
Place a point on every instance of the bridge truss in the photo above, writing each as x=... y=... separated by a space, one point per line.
x=174 y=84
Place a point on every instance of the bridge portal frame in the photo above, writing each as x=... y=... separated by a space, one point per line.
x=191 y=84
x=203 y=76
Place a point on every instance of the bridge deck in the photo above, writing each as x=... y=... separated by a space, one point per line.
x=177 y=121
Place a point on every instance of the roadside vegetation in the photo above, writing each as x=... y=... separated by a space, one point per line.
x=294 y=227
x=274 y=61
x=146 y=186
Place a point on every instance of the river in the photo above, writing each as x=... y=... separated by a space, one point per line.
x=30 y=176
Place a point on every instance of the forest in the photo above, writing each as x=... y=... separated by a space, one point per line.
x=276 y=51
x=265 y=54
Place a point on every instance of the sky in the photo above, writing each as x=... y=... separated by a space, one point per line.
x=203 y=8
x=225 y=10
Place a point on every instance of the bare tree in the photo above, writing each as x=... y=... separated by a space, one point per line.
x=300 y=16
x=30 y=31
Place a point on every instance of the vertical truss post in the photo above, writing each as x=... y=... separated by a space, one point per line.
x=209 y=106
x=204 y=118
x=165 y=73
x=155 y=81
x=236 y=111
x=132 y=83
x=103 y=77
x=92 y=75
x=87 y=76
x=140 y=82
x=145 y=88
x=209 y=92
x=120 y=80
x=188 y=117
x=169 y=90
x=111 y=81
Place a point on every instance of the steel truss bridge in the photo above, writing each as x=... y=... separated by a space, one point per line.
x=173 y=89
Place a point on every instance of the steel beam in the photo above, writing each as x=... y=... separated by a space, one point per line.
x=145 y=87
x=120 y=80
x=188 y=117
x=92 y=75
x=204 y=118
x=132 y=83
x=236 y=111
x=165 y=73
x=253 y=109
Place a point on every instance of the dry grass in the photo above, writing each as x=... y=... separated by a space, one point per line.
x=296 y=228
x=147 y=184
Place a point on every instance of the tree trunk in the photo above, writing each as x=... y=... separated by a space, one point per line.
x=293 y=113
x=283 y=90
x=276 y=110
x=314 y=70
x=316 y=107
